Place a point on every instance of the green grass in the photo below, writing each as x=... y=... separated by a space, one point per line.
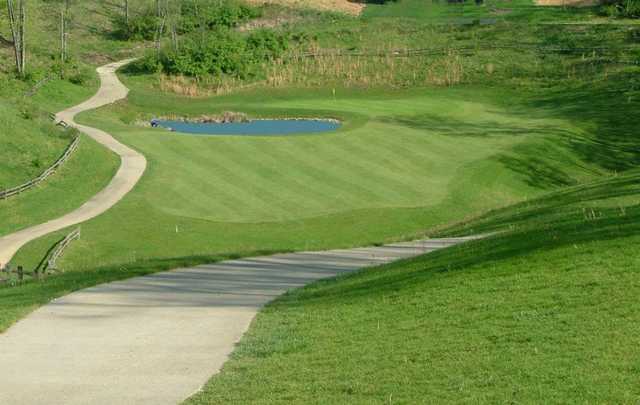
x=412 y=161
x=543 y=313
x=87 y=171
x=32 y=143
x=539 y=145
x=19 y=302
x=29 y=146
x=29 y=140
x=443 y=12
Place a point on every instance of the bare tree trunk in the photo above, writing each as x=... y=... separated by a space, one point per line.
x=18 y=24
x=174 y=37
x=23 y=39
x=126 y=12
x=159 y=35
x=14 y=33
x=63 y=36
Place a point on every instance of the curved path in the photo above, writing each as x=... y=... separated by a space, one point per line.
x=157 y=339
x=132 y=166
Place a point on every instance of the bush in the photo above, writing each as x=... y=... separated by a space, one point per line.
x=265 y=45
x=197 y=14
x=631 y=8
x=220 y=52
x=217 y=53
x=78 y=74
x=623 y=9
x=141 y=27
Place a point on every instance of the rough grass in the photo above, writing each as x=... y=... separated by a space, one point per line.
x=543 y=313
x=87 y=171
x=29 y=145
x=28 y=140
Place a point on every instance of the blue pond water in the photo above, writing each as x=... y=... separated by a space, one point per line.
x=258 y=127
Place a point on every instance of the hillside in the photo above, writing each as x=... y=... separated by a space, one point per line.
x=545 y=312
x=30 y=139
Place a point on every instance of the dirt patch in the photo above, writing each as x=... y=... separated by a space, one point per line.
x=344 y=6
x=568 y=3
x=271 y=22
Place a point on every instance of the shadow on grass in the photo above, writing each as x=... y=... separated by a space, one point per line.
x=609 y=109
x=18 y=301
x=554 y=222
x=455 y=127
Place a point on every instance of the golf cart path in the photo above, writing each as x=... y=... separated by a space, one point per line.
x=132 y=166
x=157 y=339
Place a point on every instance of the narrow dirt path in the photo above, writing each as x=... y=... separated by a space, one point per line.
x=132 y=166
x=157 y=339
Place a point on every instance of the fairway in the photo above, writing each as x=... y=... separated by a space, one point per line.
x=394 y=168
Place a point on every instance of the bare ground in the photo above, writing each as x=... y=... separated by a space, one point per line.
x=344 y=6
x=568 y=3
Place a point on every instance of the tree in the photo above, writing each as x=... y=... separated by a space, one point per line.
x=63 y=34
x=126 y=12
x=17 y=23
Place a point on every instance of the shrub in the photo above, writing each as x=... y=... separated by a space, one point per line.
x=623 y=8
x=219 y=52
x=140 y=27
x=265 y=45
x=197 y=14
x=79 y=75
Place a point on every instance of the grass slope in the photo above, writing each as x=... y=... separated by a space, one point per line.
x=87 y=172
x=29 y=141
x=28 y=146
x=543 y=313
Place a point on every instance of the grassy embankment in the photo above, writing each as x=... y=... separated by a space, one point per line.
x=546 y=312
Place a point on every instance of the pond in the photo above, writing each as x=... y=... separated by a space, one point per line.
x=256 y=127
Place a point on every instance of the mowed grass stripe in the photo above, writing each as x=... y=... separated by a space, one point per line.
x=363 y=167
x=237 y=191
x=192 y=192
x=357 y=174
x=288 y=197
x=295 y=183
x=311 y=161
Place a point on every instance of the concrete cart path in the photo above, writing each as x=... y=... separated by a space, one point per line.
x=157 y=339
x=132 y=166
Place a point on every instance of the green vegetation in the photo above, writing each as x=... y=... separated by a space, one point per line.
x=542 y=313
x=87 y=171
x=191 y=16
x=220 y=52
x=29 y=140
x=306 y=192
x=623 y=8
x=30 y=145
x=511 y=118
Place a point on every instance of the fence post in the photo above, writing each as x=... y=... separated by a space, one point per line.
x=20 y=273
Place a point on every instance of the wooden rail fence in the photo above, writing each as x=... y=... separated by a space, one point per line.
x=17 y=275
x=34 y=182
x=59 y=250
